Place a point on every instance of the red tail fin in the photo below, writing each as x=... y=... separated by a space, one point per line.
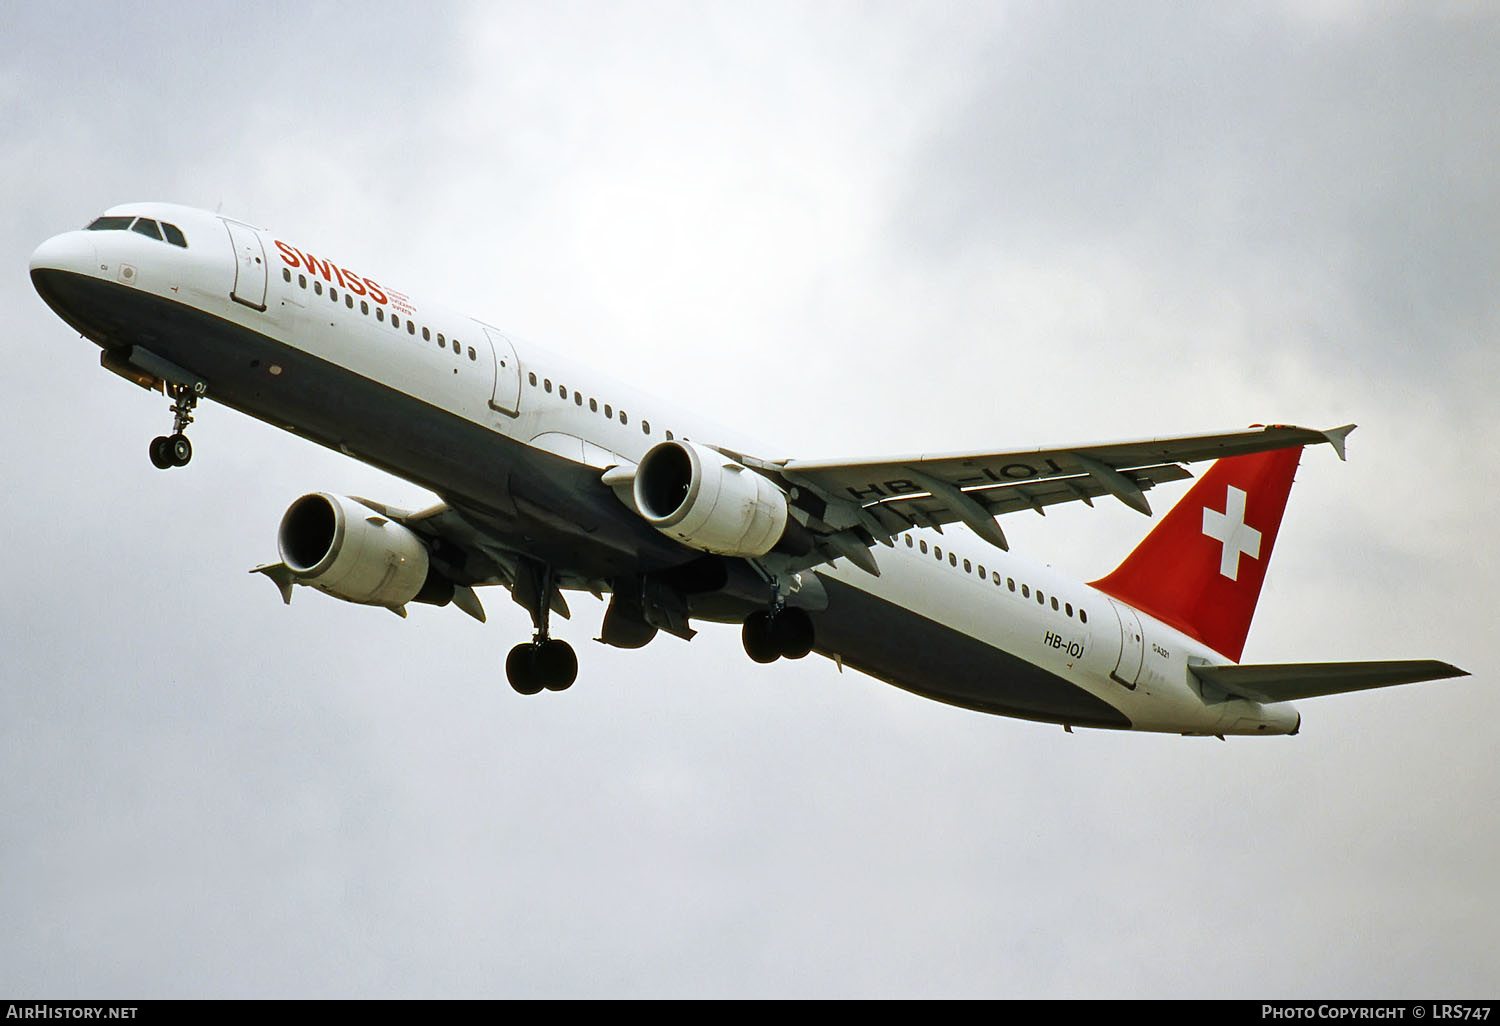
x=1201 y=568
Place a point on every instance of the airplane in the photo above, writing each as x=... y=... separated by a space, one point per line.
x=554 y=479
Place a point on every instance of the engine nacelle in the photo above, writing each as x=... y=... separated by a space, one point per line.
x=706 y=500
x=353 y=553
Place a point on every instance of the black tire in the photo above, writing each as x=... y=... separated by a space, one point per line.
x=792 y=632
x=161 y=453
x=759 y=640
x=521 y=669
x=557 y=665
x=181 y=450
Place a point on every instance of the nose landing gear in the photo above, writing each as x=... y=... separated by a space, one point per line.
x=175 y=450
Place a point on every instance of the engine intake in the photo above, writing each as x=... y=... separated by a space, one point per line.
x=705 y=500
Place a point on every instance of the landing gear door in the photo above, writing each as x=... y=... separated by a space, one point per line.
x=1132 y=646
x=507 y=396
x=250 y=265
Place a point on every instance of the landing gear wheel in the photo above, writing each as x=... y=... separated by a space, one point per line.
x=792 y=631
x=771 y=636
x=758 y=635
x=538 y=665
x=161 y=453
x=180 y=449
x=557 y=663
x=521 y=669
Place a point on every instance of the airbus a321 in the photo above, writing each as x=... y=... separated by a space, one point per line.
x=556 y=479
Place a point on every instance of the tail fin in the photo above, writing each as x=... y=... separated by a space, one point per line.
x=1201 y=568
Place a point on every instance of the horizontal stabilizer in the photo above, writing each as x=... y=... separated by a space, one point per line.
x=1287 y=682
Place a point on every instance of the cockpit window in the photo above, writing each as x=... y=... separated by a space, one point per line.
x=145 y=225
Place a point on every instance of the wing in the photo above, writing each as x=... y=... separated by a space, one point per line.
x=886 y=496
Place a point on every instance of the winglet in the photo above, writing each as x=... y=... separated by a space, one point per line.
x=1336 y=437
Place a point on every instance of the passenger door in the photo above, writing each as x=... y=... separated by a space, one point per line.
x=250 y=265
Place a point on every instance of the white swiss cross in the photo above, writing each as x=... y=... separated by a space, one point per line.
x=1230 y=530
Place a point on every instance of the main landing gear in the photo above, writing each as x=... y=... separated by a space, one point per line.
x=544 y=662
x=175 y=450
x=775 y=634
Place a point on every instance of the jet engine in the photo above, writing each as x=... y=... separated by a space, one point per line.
x=706 y=500
x=343 y=548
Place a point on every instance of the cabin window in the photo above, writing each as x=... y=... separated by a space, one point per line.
x=286 y=275
x=1082 y=616
x=531 y=376
x=577 y=398
x=609 y=412
x=562 y=391
x=669 y=435
x=333 y=293
x=547 y=385
x=395 y=321
x=645 y=427
x=1025 y=591
x=952 y=559
x=147 y=227
x=624 y=419
x=380 y=313
x=473 y=356
x=923 y=547
x=593 y=406
x=1069 y=607
x=426 y=334
x=411 y=328
x=364 y=307
x=349 y=300
x=302 y=281
x=968 y=567
x=1054 y=603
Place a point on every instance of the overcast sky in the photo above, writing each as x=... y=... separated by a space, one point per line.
x=849 y=229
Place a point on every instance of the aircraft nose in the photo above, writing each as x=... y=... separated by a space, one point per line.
x=59 y=267
x=70 y=251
